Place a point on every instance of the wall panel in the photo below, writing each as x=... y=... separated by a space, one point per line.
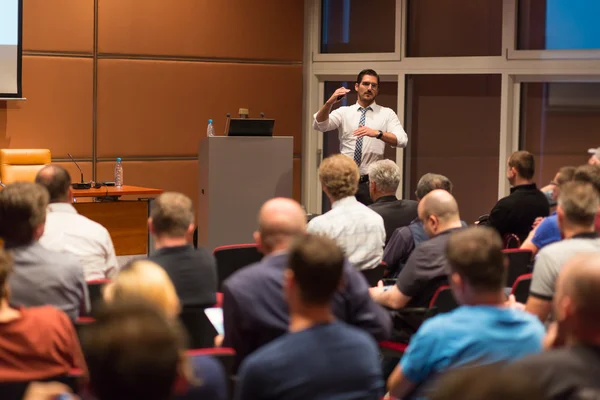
x=258 y=30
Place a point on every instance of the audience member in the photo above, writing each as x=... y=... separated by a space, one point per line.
x=254 y=307
x=425 y=270
x=320 y=358
x=482 y=330
x=67 y=231
x=384 y=179
x=143 y=279
x=358 y=230
x=36 y=342
x=577 y=207
x=572 y=372
x=594 y=156
x=486 y=382
x=563 y=175
x=192 y=271
x=547 y=231
x=134 y=351
x=41 y=276
x=590 y=174
x=515 y=214
x=405 y=239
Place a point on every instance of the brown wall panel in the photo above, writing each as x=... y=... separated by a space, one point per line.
x=58 y=111
x=258 y=29
x=179 y=176
x=161 y=108
x=58 y=25
x=86 y=167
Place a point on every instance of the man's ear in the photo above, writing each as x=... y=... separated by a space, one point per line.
x=258 y=240
x=38 y=231
x=355 y=86
x=150 y=226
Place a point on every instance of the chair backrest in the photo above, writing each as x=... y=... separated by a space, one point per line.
x=520 y=289
x=234 y=257
x=443 y=300
x=200 y=331
x=519 y=261
x=22 y=164
x=511 y=241
x=374 y=275
x=95 y=293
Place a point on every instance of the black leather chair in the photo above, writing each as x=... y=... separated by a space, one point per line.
x=200 y=331
x=234 y=257
x=519 y=263
x=374 y=275
x=520 y=289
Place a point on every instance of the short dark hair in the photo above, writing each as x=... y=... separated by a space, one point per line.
x=364 y=72
x=430 y=182
x=22 y=209
x=590 y=174
x=524 y=163
x=56 y=180
x=132 y=352
x=565 y=174
x=476 y=255
x=6 y=265
x=318 y=264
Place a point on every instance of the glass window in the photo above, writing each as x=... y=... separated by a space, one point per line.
x=453 y=125
x=454 y=28
x=387 y=97
x=358 y=26
x=558 y=25
x=559 y=123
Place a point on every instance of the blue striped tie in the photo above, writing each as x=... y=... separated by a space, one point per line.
x=359 y=141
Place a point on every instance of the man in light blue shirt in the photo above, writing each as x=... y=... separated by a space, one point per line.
x=482 y=331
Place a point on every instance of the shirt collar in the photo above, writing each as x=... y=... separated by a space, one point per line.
x=386 y=199
x=527 y=186
x=346 y=201
x=585 y=235
x=61 y=207
x=374 y=106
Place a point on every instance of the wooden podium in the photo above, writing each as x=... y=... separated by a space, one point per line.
x=125 y=220
x=236 y=176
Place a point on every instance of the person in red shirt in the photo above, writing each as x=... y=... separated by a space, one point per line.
x=37 y=342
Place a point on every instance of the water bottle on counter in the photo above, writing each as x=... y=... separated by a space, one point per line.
x=119 y=173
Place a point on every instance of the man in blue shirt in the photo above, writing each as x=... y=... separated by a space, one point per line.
x=482 y=331
x=320 y=358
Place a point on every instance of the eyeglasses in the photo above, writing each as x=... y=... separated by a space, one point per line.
x=367 y=84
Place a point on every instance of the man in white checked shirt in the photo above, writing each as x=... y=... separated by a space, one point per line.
x=364 y=128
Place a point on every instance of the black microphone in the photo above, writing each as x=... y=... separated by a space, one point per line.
x=82 y=184
x=227 y=124
x=262 y=114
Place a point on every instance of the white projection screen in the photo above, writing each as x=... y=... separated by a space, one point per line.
x=11 y=17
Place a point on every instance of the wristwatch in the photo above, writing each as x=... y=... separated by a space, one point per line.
x=380 y=135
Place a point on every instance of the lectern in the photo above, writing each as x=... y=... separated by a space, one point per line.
x=236 y=176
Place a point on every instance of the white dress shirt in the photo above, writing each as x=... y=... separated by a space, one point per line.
x=346 y=121
x=357 y=229
x=68 y=232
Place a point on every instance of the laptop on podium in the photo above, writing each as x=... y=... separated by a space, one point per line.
x=251 y=127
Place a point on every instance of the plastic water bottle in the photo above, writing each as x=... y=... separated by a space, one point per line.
x=210 y=130
x=119 y=173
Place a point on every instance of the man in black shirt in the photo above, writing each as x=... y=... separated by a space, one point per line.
x=515 y=214
x=384 y=179
x=193 y=271
x=572 y=372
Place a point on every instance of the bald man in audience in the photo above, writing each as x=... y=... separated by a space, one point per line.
x=425 y=270
x=573 y=371
x=254 y=308
x=577 y=207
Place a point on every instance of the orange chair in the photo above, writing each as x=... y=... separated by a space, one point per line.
x=22 y=164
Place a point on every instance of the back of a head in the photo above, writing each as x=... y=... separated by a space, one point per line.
x=565 y=174
x=488 y=382
x=279 y=221
x=580 y=280
x=144 y=280
x=386 y=175
x=172 y=214
x=22 y=210
x=5 y=270
x=441 y=204
x=579 y=202
x=524 y=163
x=430 y=182
x=590 y=174
x=57 y=182
x=476 y=255
x=339 y=175
x=132 y=352
x=317 y=264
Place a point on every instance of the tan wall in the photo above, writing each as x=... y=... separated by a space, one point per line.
x=143 y=86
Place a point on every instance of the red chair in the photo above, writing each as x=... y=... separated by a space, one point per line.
x=443 y=300
x=519 y=261
x=225 y=355
x=374 y=275
x=95 y=292
x=234 y=257
x=219 y=303
x=511 y=241
x=392 y=349
x=520 y=289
